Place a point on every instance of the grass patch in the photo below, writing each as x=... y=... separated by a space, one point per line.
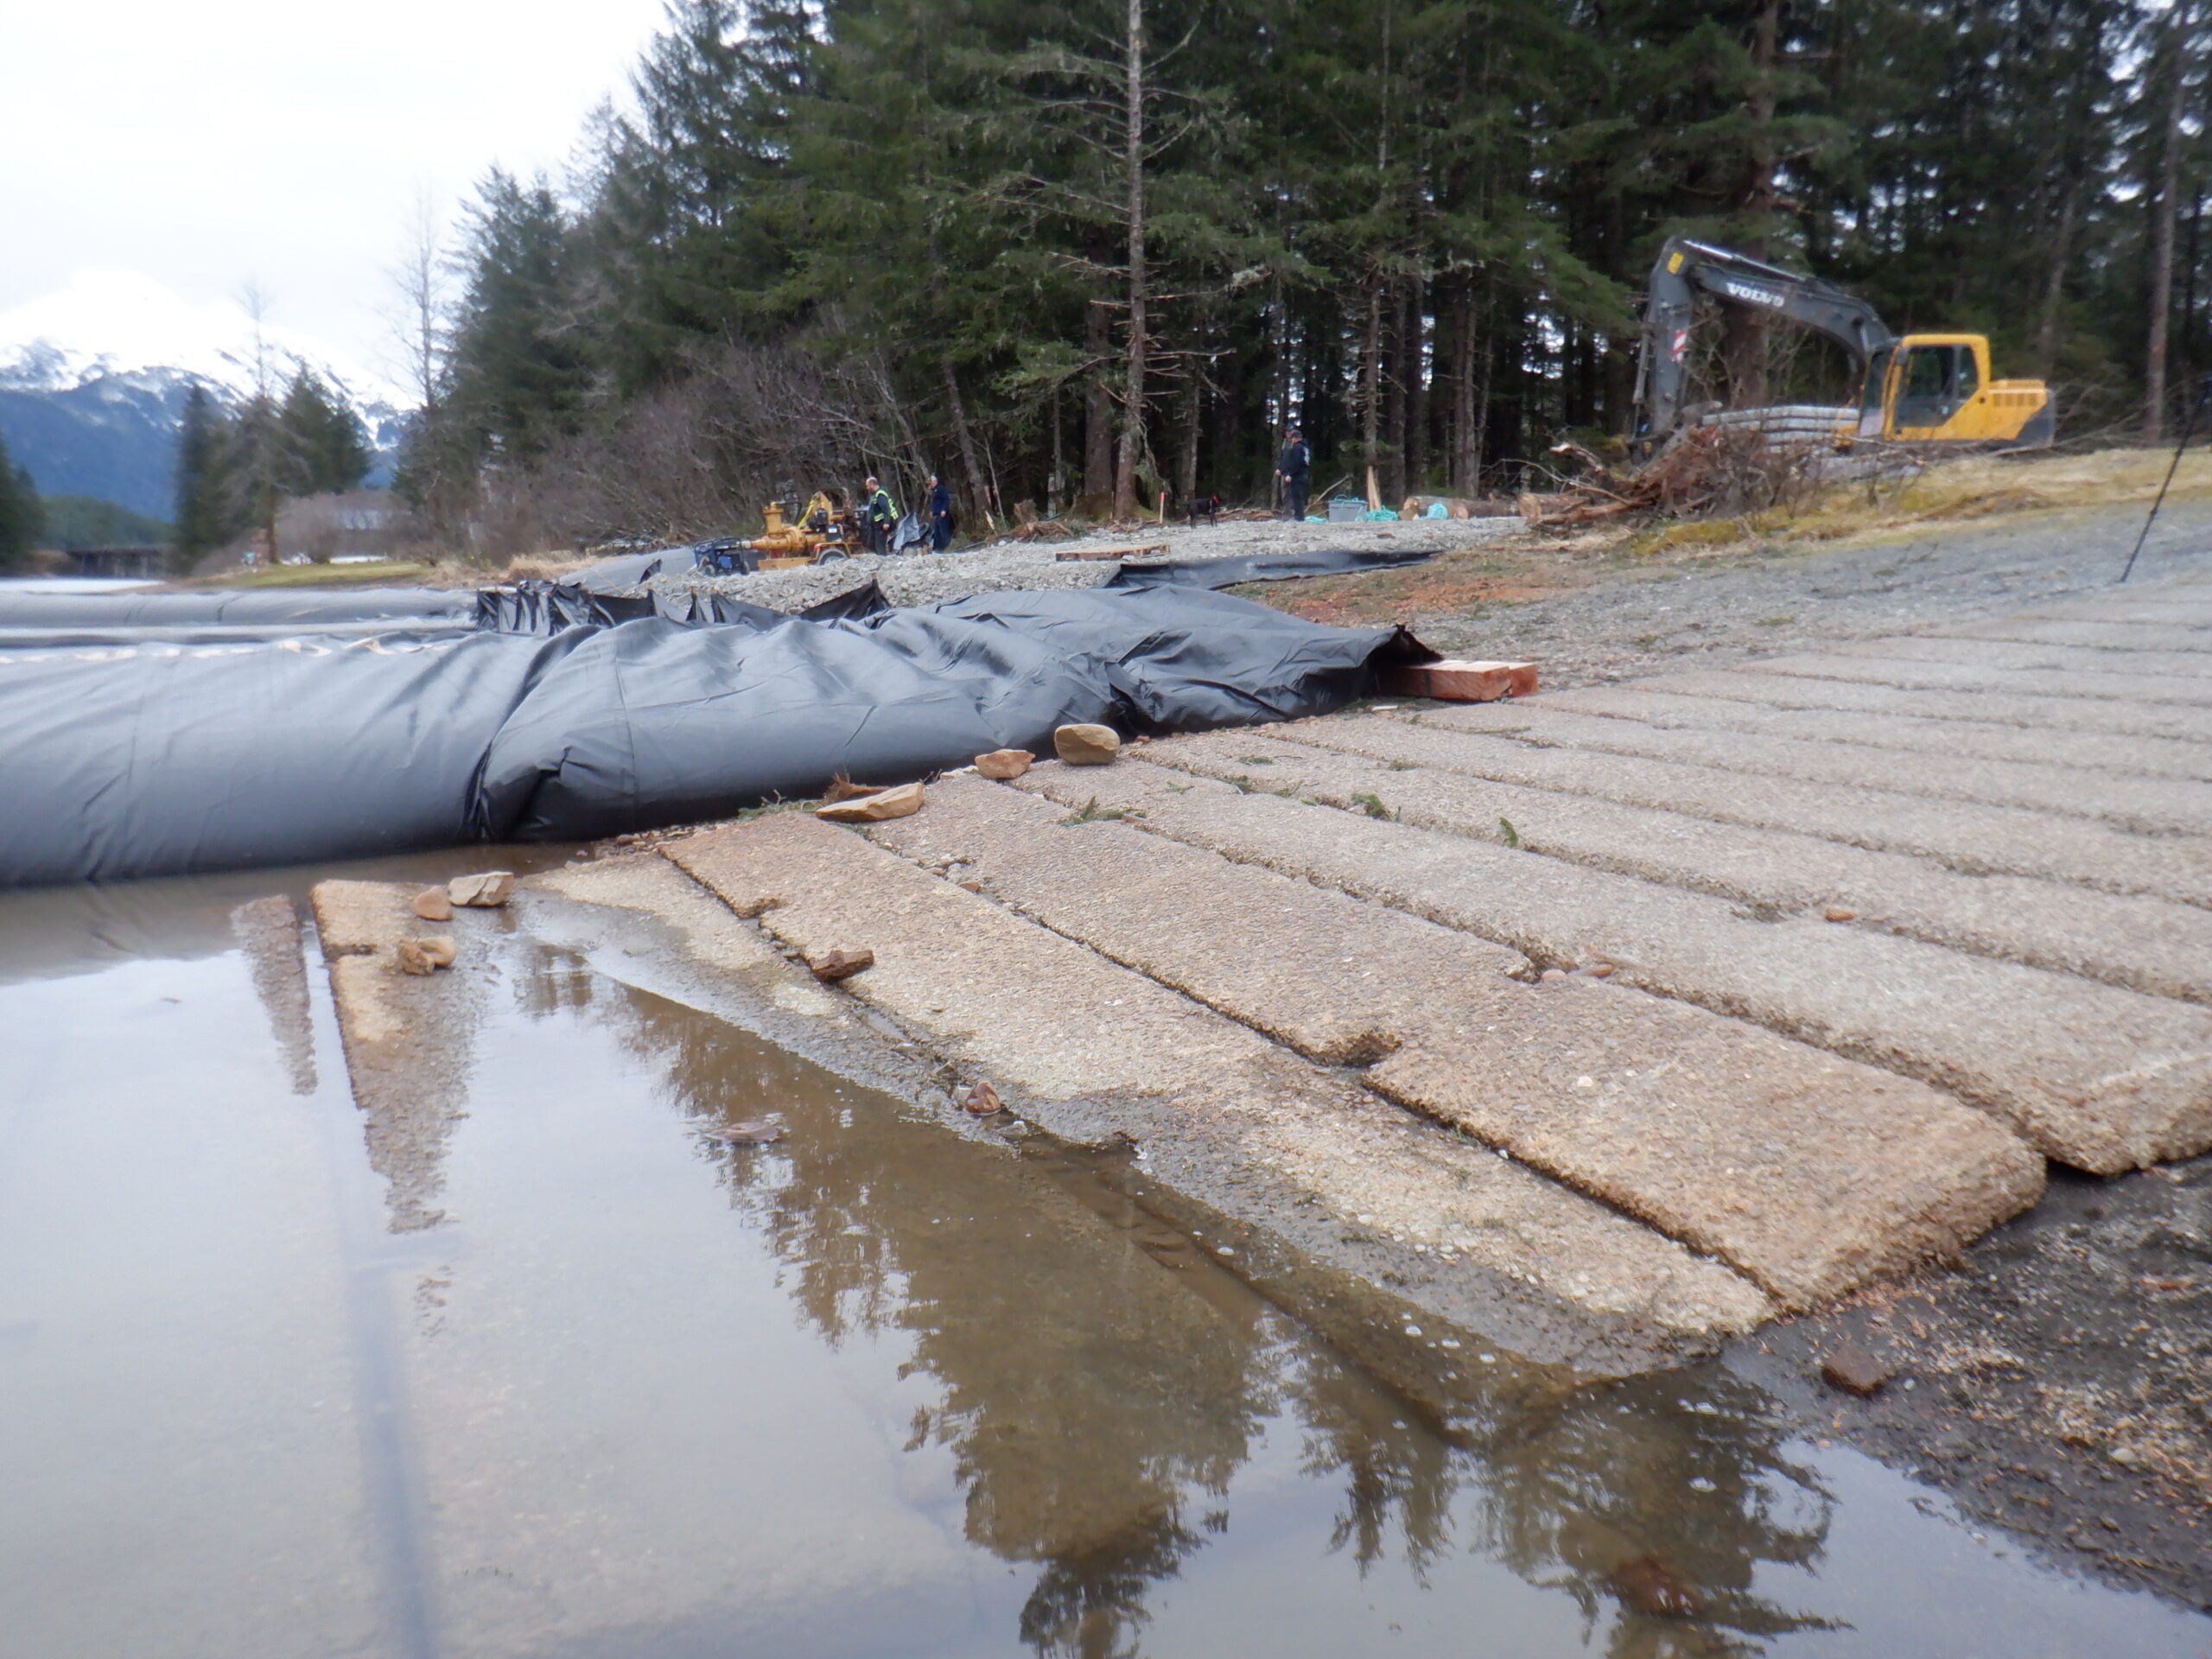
x=1775 y=622
x=1512 y=835
x=1091 y=812
x=1372 y=805
x=1257 y=759
x=326 y=575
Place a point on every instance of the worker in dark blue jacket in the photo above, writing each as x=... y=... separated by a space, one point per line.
x=940 y=508
x=1295 y=466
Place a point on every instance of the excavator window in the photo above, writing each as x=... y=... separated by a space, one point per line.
x=1936 y=380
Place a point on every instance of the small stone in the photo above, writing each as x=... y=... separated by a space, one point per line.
x=424 y=956
x=900 y=802
x=842 y=788
x=1854 y=1370
x=982 y=1100
x=835 y=965
x=1838 y=913
x=1552 y=975
x=432 y=904
x=1003 y=764
x=481 y=892
x=1598 y=971
x=1086 y=746
x=971 y=887
x=1649 y=1584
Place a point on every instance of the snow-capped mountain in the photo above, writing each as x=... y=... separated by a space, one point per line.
x=93 y=379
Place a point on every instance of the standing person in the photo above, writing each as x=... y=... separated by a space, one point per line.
x=1294 y=466
x=940 y=505
x=878 y=512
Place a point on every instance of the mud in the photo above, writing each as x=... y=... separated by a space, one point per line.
x=2057 y=1383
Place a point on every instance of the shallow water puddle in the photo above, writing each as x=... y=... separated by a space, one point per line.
x=872 y=1389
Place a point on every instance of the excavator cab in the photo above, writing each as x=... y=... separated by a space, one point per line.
x=1936 y=389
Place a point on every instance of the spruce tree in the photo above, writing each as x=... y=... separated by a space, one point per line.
x=21 y=520
x=328 y=450
x=204 y=514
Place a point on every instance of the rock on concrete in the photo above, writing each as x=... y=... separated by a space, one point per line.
x=1090 y=1049
x=874 y=808
x=1810 y=1174
x=1086 y=745
x=2096 y=1076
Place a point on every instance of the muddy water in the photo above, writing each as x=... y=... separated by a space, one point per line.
x=551 y=1371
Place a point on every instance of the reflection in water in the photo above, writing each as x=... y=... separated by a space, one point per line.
x=1103 y=1381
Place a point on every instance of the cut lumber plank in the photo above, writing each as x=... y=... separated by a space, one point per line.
x=2095 y=1076
x=1133 y=551
x=1091 y=1049
x=1460 y=680
x=1812 y=1174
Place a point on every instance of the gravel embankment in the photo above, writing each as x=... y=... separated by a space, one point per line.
x=923 y=578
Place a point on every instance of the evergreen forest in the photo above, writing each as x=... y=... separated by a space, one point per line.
x=1075 y=256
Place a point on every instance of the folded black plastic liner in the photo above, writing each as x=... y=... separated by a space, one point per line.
x=160 y=760
x=1231 y=569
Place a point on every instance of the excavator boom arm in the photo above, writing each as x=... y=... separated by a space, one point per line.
x=1686 y=269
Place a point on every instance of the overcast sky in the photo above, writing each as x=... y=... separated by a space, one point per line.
x=211 y=143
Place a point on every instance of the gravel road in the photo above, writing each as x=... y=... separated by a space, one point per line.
x=1618 y=618
x=923 y=578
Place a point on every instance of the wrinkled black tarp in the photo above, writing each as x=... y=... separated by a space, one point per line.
x=1261 y=567
x=157 y=761
x=620 y=576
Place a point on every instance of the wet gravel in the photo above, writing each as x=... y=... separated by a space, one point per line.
x=925 y=578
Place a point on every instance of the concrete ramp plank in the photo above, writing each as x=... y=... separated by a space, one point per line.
x=2153 y=757
x=1810 y=1174
x=1091 y=1049
x=2035 y=713
x=2098 y=1077
x=2153 y=806
x=2112 y=636
x=1966 y=836
x=2033 y=658
x=1959 y=676
x=2151 y=945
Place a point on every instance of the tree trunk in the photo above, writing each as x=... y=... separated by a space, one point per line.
x=1465 y=475
x=2053 y=291
x=1393 y=470
x=979 y=493
x=1417 y=429
x=1125 y=463
x=1743 y=340
x=2162 y=214
x=1098 y=412
x=1371 y=390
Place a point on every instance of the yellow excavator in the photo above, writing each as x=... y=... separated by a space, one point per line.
x=1916 y=389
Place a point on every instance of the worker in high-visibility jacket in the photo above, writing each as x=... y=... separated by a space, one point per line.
x=878 y=512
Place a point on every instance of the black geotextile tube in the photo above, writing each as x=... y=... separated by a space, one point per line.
x=27 y=607
x=158 y=761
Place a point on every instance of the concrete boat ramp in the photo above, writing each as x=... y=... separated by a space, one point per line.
x=1606 y=1024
